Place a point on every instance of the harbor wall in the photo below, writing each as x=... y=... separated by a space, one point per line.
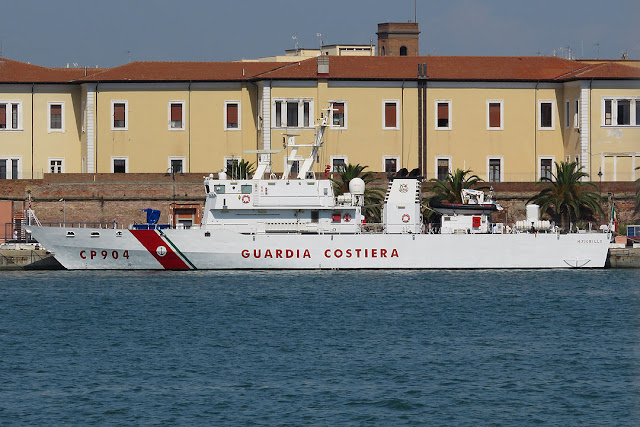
x=108 y=198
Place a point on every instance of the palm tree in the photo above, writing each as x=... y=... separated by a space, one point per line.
x=240 y=170
x=566 y=196
x=373 y=197
x=450 y=188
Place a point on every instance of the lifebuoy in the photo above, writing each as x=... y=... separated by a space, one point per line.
x=406 y=218
x=346 y=217
x=246 y=199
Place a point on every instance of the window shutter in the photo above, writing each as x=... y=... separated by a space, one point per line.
x=118 y=112
x=176 y=113
x=56 y=110
x=3 y=115
x=443 y=111
x=494 y=115
x=390 y=115
x=232 y=114
x=338 y=108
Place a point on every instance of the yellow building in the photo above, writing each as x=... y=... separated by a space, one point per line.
x=505 y=118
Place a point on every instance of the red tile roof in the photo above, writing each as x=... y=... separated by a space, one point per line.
x=445 y=68
x=464 y=68
x=182 y=71
x=20 y=72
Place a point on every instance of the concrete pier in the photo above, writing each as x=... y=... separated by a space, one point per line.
x=20 y=256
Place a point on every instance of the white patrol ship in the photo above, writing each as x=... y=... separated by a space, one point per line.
x=299 y=223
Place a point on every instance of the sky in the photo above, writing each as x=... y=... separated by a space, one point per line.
x=108 y=33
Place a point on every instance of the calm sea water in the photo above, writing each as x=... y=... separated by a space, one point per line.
x=321 y=348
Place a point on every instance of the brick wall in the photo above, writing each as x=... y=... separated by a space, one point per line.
x=107 y=198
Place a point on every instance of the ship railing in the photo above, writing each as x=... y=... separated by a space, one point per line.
x=105 y=225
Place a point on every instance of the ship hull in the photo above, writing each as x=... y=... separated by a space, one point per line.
x=176 y=249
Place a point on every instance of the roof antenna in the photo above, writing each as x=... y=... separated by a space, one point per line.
x=319 y=36
x=128 y=55
x=295 y=42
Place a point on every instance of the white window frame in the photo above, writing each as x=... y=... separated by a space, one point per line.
x=183 y=127
x=55 y=159
x=8 y=162
x=553 y=114
x=227 y=158
x=344 y=158
x=342 y=101
x=8 y=112
x=567 y=113
x=126 y=115
x=298 y=159
x=62 y=127
x=389 y=101
x=443 y=101
x=385 y=158
x=501 y=158
x=224 y=113
x=181 y=158
x=576 y=113
x=126 y=161
x=540 y=159
x=435 y=164
x=283 y=113
x=634 y=104
x=495 y=101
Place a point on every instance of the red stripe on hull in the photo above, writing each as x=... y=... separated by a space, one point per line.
x=151 y=240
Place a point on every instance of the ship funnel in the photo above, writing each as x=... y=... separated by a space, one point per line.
x=356 y=186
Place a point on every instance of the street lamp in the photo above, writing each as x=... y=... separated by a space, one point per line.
x=64 y=212
x=600 y=176
x=172 y=171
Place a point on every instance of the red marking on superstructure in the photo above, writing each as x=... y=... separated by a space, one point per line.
x=151 y=240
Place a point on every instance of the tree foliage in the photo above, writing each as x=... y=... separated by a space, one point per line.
x=241 y=170
x=450 y=189
x=373 y=196
x=566 y=197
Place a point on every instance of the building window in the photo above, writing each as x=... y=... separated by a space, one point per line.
x=567 y=114
x=292 y=113
x=621 y=112
x=494 y=172
x=390 y=114
x=56 y=165
x=10 y=115
x=494 y=115
x=546 y=115
x=176 y=115
x=443 y=167
x=546 y=168
x=338 y=114
x=55 y=121
x=119 y=165
x=10 y=168
x=443 y=115
x=119 y=115
x=390 y=164
x=232 y=115
x=576 y=114
x=176 y=164
x=338 y=163
x=403 y=51
x=231 y=163
x=295 y=164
